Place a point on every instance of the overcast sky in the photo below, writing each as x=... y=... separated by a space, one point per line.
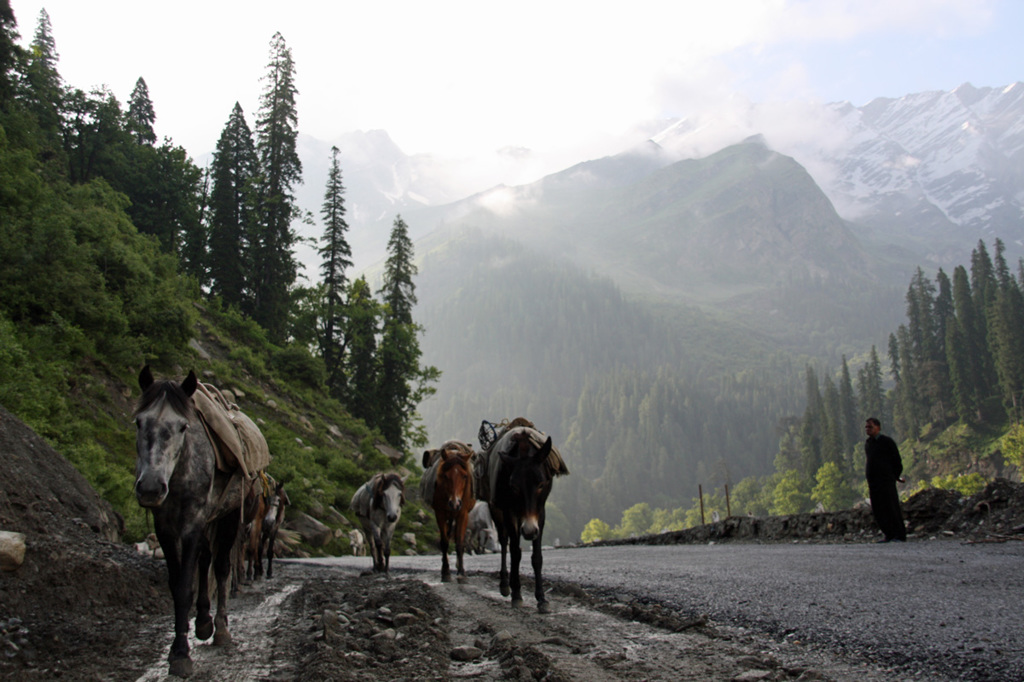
x=561 y=79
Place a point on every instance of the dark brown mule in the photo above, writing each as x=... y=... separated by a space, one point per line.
x=450 y=475
x=520 y=467
x=195 y=507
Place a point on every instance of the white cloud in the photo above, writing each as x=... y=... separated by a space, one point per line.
x=466 y=79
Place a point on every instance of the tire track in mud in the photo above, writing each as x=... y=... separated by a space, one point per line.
x=250 y=618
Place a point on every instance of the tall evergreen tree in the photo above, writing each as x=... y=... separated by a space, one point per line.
x=871 y=393
x=907 y=405
x=43 y=97
x=141 y=114
x=832 y=446
x=959 y=362
x=274 y=268
x=848 y=410
x=983 y=293
x=1006 y=335
x=9 y=53
x=402 y=382
x=232 y=216
x=813 y=426
x=337 y=258
x=361 y=367
x=975 y=347
x=398 y=291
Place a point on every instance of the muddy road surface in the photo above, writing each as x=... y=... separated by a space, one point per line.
x=918 y=611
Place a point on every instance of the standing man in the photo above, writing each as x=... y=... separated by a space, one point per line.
x=882 y=470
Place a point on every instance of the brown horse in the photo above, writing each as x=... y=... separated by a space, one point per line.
x=448 y=485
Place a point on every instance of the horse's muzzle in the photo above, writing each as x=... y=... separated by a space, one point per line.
x=150 y=493
x=454 y=503
x=529 y=529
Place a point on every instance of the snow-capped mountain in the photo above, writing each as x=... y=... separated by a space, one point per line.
x=937 y=170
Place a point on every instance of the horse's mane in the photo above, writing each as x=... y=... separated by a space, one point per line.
x=171 y=390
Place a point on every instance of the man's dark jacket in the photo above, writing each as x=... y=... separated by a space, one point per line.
x=883 y=463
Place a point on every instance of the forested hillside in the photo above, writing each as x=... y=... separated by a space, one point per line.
x=116 y=251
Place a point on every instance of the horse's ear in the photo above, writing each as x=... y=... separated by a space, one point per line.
x=190 y=384
x=145 y=378
x=544 y=451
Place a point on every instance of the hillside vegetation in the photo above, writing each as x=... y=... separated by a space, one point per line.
x=115 y=253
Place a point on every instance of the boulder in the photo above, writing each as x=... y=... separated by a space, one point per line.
x=12 y=550
x=313 y=532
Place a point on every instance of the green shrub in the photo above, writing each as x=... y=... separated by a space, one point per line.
x=297 y=364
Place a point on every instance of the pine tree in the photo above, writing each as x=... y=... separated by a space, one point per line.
x=907 y=405
x=959 y=362
x=1006 y=335
x=398 y=291
x=403 y=383
x=274 y=268
x=983 y=294
x=141 y=115
x=813 y=426
x=361 y=367
x=832 y=446
x=869 y=388
x=337 y=258
x=848 y=410
x=975 y=346
x=43 y=96
x=232 y=218
x=9 y=55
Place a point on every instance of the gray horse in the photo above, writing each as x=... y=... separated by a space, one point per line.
x=195 y=507
x=378 y=505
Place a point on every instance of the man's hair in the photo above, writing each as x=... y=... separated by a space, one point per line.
x=872 y=420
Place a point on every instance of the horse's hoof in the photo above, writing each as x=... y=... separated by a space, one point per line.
x=204 y=630
x=446 y=578
x=222 y=638
x=181 y=667
x=516 y=603
x=543 y=607
x=462 y=579
x=505 y=591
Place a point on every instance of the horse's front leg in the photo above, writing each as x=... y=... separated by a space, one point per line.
x=386 y=553
x=268 y=551
x=503 y=575
x=537 y=559
x=204 y=621
x=376 y=550
x=180 y=573
x=442 y=544
x=226 y=531
x=460 y=545
x=514 y=581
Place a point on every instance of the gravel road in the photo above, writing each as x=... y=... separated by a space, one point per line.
x=940 y=609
